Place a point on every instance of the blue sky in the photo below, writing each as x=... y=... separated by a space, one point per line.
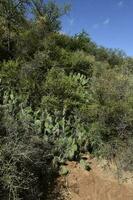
x=108 y=22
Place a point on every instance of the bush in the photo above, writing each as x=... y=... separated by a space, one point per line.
x=25 y=156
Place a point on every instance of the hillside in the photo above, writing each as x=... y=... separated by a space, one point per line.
x=61 y=96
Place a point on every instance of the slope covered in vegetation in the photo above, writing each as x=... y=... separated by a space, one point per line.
x=59 y=96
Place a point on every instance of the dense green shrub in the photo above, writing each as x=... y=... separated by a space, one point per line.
x=112 y=119
x=60 y=96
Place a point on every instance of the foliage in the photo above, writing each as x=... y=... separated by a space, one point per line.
x=25 y=156
x=85 y=165
x=60 y=96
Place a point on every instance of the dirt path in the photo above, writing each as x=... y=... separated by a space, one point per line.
x=97 y=184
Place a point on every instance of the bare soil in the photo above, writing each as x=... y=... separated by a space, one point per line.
x=102 y=182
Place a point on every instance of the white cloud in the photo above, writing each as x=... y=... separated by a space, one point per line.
x=99 y=25
x=106 y=21
x=120 y=3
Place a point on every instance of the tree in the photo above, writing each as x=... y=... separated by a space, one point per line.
x=12 y=13
x=48 y=15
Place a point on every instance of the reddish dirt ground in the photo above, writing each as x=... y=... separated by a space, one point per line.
x=96 y=184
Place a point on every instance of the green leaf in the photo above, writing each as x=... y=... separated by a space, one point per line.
x=63 y=171
x=85 y=165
